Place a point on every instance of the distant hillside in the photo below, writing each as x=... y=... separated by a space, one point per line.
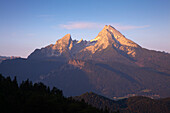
x=5 y=58
x=137 y=104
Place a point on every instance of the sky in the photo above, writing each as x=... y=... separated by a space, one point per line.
x=26 y=25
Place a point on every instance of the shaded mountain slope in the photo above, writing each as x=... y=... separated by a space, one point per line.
x=137 y=104
x=112 y=79
x=23 y=68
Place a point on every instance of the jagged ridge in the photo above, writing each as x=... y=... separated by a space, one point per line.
x=108 y=37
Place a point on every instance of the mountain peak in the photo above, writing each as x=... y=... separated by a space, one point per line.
x=65 y=39
x=63 y=44
x=108 y=26
x=112 y=31
x=109 y=36
x=118 y=37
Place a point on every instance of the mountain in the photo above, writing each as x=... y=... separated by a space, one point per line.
x=110 y=65
x=110 y=45
x=5 y=58
x=136 y=104
x=108 y=38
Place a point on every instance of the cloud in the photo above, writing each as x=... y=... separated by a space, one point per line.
x=81 y=25
x=93 y=25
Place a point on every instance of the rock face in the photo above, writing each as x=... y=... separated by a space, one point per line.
x=109 y=37
x=110 y=65
x=76 y=63
x=60 y=48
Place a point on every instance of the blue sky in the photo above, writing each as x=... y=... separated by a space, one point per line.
x=29 y=24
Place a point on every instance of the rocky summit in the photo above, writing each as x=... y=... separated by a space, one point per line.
x=108 y=37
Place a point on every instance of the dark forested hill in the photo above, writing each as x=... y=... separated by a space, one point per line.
x=136 y=104
x=37 y=98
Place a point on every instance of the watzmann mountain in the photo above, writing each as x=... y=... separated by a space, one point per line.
x=110 y=65
x=108 y=38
